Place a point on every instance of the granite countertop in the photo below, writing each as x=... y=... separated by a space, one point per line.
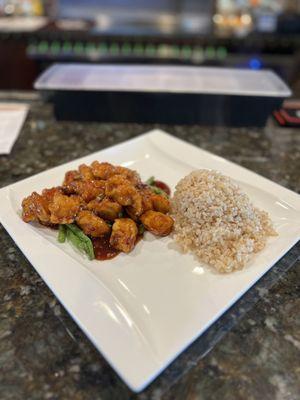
x=252 y=352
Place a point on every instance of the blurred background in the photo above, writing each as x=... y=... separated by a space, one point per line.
x=236 y=33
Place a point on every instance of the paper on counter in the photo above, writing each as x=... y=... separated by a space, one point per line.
x=12 y=117
x=22 y=24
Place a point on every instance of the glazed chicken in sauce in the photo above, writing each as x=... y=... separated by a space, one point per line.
x=105 y=204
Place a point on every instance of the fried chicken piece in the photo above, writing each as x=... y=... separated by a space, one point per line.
x=129 y=174
x=157 y=223
x=102 y=170
x=160 y=203
x=35 y=208
x=121 y=190
x=48 y=194
x=91 y=224
x=147 y=199
x=131 y=213
x=136 y=209
x=64 y=209
x=107 y=209
x=88 y=190
x=100 y=183
x=86 y=172
x=70 y=177
x=124 y=234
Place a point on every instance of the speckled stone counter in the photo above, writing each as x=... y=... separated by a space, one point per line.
x=252 y=352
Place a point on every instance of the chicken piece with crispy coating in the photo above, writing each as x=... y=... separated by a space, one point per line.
x=160 y=203
x=147 y=199
x=106 y=208
x=157 y=223
x=63 y=209
x=136 y=209
x=70 y=177
x=124 y=234
x=102 y=170
x=86 y=172
x=100 y=184
x=48 y=194
x=88 y=190
x=121 y=190
x=35 y=208
x=129 y=174
x=91 y=224
x=141 y=204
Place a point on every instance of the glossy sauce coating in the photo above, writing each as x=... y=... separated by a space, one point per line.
x=103 y=250
x=163 y=186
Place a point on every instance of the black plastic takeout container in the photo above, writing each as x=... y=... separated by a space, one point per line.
x=162 y=94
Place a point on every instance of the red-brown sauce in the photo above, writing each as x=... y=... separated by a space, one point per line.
x=163 y=186
x=104 y=251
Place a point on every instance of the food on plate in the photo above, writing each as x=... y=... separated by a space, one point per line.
x=102 y=209
x=91 y=224
x=217 y=222
x=124 y=234
x=157 y=223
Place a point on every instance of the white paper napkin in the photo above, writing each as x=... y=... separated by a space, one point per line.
x=12 y=117
x=21 y=24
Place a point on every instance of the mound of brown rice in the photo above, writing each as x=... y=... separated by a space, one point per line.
x=216 y=220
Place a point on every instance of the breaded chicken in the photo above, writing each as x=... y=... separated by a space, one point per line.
x=157 y=223
x=100 y=184
x=129 y=174
x=124 y=234
x=91 y=224
x=86 y=172
x=121 y=190
x=63 y=209
x=136 y=209
x=106 y=208
x=160 y=203
x=48 y=194
x=71 y=176
x=88 y=190
x=102 y=170
x=35 y=208
x=147 y=199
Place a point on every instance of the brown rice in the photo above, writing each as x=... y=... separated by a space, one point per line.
x=216 y=220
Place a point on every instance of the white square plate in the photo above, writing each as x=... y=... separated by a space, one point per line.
x=141 y=310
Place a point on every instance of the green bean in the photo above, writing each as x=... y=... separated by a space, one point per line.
x=91 y=253
x=75 y=241
x=158 y=190
x=78 y=232
x=79 y=240
x=62 y=233
x=150 y=181
x=141 y=229
x=90 y=249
